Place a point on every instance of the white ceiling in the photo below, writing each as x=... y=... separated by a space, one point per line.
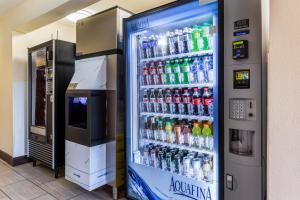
x=134 y=6
x=5 y=5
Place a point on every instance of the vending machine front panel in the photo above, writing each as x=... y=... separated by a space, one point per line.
x=173 y=102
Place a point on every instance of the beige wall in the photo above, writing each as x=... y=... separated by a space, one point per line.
x=284 y=101
x=29 y=15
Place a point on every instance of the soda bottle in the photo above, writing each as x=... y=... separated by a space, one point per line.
x=197 y=40
x=169 y=132
x=177 y=102
x=157 y=49
x=152 y=103
x=145 y=107
x=178 y=134
x=191 y=74
x=160 y=102
x=208 y=136
x=196 y=132
x=181 y=41
x=153 y=74
x=168 y=73
x=186 y=100
x=161 y=131
x=144 y=47
x=146 y=76
x=176 y=41
x=169 y=103
x=170 y=40
x=197 y=71
x=162 y=44
x=210 y=70
x=185 y=69
x=208 y=102
x=206 y=67
x=187 y=135
x=144 y=132
x=187 y=40
x=152 y=43
x=196 y=102
x=206 y=37
x=160 y=73
x=176 y=70
x=152 y=128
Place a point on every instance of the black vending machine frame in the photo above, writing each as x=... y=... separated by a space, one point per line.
x=51 y=152
x=220 y=82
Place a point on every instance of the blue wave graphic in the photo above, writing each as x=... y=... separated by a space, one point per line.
x=185 y=195
x=140 y=183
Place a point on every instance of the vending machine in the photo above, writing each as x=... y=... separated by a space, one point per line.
x=194 y=101
x=172 y=103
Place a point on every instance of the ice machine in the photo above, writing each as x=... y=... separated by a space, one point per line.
x=95 y=103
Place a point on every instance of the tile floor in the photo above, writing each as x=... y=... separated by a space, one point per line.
x=27 y=183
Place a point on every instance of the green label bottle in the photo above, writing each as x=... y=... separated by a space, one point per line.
x=176 y=70
x=168 y=73
x=206 y=35
x=185 y=69
x=196 y=37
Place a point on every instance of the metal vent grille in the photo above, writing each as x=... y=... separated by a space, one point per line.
x=41 y=152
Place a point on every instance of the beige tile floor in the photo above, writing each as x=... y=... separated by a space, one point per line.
x=27 y=183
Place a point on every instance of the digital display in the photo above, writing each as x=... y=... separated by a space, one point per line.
x=240 y=49
x=241 y=79
x=240 y=24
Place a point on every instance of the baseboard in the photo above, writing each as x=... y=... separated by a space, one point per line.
x=13 y=161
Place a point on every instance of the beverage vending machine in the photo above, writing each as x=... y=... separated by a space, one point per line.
x=173 y=94
x=191 y=134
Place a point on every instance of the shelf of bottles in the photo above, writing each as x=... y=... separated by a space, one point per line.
x=176 y=80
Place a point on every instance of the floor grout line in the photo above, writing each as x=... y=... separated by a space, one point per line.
x=14 y=169
x=30 y=182
x=6 y=195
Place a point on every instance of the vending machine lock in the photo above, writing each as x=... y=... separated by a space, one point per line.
x=229 y=182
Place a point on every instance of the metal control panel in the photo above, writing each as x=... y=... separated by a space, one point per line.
x=242 y=109
x=244 y=101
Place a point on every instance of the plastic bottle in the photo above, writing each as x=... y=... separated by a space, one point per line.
x=153 y=74
x=186 y=100
x=160 y=102
x=187 y=135
x=208 y=102
x=168 y=102
x=177 y=101
x=168 y=73
x=146 y=74
x=206 y=37
x=144 y=47
x=152 y=103
x=160 y=73
x=207 y=134
x=196 y=102
x=168 y=130
x=177 y=73
x=187 y=40
x=185 y=69
x=161 y=130
x=145 y=107
x=197 y=133
x=171 y=45
x=196 y=36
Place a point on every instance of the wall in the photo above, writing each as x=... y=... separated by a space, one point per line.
x=20 y=43
x=284 y=101
x=27 y=16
